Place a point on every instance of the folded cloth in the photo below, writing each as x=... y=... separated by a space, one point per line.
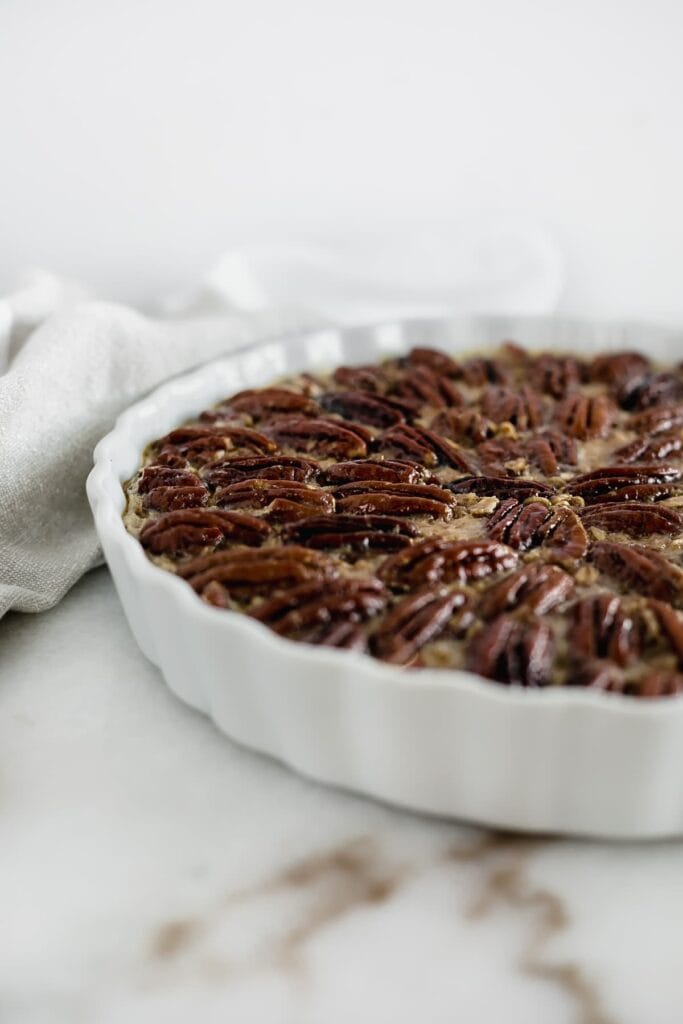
x=69 y=365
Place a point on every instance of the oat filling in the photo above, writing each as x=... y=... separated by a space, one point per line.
x=515 y=513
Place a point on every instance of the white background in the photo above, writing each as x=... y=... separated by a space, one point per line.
x=142 y=137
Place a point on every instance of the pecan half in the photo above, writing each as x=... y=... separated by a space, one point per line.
x=369 y=469
x=165 y=476
x=438 y=560
x=321 y=436
x=315 y=603
x=601 y=628
x=434 y=360
x=164 y=499
x=563 y=535
x=200 y=444
x=430 y=387
x=517 y=524
x=546 y=451
x=583 y=417
x=463 y=425
x=659 y=420
x=265 y=467
x=283 y=500
x=262 y=403
x=501 y=487
x=360 y=378
x=424 y=446
x=656 y=389
x=386 y=498
x=555 y=375
x=375 y=410
x=671 y=623
x=513 y=651
x=418 y=619
x=625 y=483
x=357 y=532
x=643 y=449
x=523 y=407
x=661 y=683
x=248 y=572
x=640 y=569
x=480 y=371
x=635 y=518
x=537 y=587
x=187 y=530
x=619 y=367
x=596 y=674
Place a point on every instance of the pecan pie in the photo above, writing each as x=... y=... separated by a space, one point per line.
x=515 y=513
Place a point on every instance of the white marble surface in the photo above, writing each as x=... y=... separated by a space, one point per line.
x=151 y=872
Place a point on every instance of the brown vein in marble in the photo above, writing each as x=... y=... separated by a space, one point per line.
x=507 y=884
x=356 y=874
x=350 y=876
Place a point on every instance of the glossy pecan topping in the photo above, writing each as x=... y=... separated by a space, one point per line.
x=635 y=518
x=625 y=484
x=262 y=403
x=463 y=425
x=263 y=467
x=375 y=410
x=358 y=532
x=315 y=604
x=522 y=407
x=283 y=500
x=513 y=651
x=165 y=499
x=438 y=560
x=347 y=509
x=188 y=530
x=601 y=628
x=501 y=487
x=555 y=375
x=386 y=498
x=584 y=417
x=370 y=469
x=250 y=572
x=537 y=587
x=320 y=436
x=640 y=569
x=418 y=619
x=644 y=449
x=425 y=446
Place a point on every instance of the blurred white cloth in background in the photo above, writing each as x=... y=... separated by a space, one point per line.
x=69 y=365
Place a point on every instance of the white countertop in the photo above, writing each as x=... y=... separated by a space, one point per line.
x=153 y=872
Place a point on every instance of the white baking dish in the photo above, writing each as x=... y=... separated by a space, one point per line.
x=443 y=742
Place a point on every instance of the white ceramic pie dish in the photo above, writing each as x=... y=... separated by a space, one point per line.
x=438 y=741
